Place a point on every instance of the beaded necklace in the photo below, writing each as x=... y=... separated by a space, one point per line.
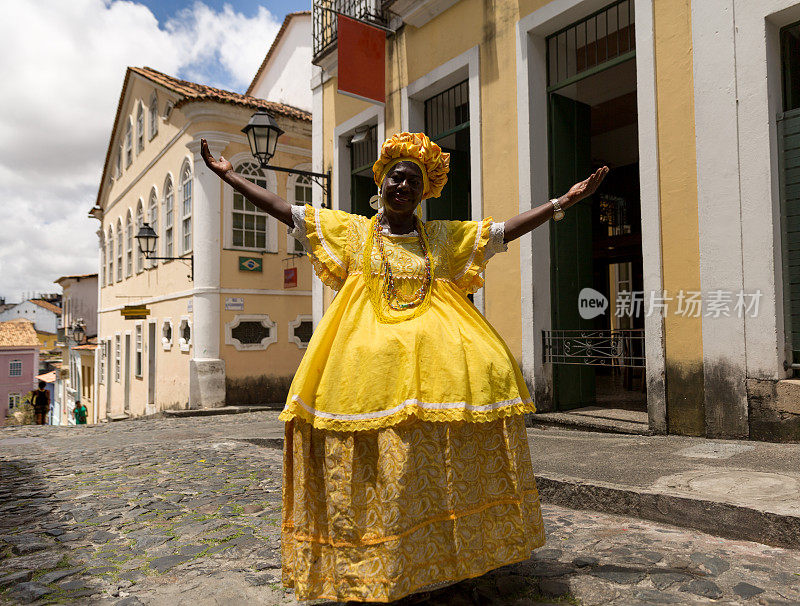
x=391 y=292
x=387 y=294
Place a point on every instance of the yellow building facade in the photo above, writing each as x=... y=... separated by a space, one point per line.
x=220 y=327
x=681 y=240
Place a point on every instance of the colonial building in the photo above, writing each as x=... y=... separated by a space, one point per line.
x=76 y=379
x=221 y=325
x=19 y=361
x=689 y=249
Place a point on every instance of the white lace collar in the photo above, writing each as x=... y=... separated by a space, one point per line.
x=385 y=232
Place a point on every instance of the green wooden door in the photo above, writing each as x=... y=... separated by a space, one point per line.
x=454 y=203
x=570 y=242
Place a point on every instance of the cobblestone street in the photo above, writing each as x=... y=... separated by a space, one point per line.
x=187 y=511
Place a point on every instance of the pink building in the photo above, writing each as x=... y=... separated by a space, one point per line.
x=19 y=363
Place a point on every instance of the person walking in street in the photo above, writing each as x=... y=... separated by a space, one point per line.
x=40 y=398
x=406 y=461
x=80 y=413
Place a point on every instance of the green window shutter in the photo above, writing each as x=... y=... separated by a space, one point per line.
x=789 y=160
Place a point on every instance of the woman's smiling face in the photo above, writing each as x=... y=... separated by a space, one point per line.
x=403 y=187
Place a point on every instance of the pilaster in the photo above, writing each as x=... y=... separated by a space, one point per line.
x=206 y=369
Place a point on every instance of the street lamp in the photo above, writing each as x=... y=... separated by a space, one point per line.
x=78 y=331
x=262 y=133
x=146 y=238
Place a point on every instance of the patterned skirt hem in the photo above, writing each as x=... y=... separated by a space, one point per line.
x=289 y=583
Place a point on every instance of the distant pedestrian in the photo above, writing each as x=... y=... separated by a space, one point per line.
x=41 y=403
x=80 y=413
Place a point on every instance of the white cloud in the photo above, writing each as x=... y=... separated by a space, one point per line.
x=61 y=78
x=227 y=39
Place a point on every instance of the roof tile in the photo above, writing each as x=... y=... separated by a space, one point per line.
x=18 y=333
x=191 y=91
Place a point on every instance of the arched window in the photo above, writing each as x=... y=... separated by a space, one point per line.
x=139 y=127
x=249 y=222
x=128 y=245
x=119 y=250
x=129 y=144
x=169 y=203
x=298 y=192
x=152 y=217
x=153 y=115
x=186 y=206
x=138 y=226
x=110 y=255
x=102 y=260
x=118 y=164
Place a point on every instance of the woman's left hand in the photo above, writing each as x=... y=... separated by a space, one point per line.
x=584 y=188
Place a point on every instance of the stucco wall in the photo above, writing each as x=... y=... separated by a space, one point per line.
x=80 y=302
x=287 y=76
x=679 y=214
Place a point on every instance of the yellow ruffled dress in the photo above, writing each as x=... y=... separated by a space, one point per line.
x=406 y=462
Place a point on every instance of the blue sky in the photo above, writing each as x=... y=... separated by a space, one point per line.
x=164 y=9
x=208 y=70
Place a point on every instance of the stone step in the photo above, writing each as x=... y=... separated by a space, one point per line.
x=715 y=517
x=585 y=422
x=222 y=410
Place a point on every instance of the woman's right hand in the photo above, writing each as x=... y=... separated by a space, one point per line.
x=220 y=167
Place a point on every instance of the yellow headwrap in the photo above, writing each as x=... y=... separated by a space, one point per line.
x=419 y=149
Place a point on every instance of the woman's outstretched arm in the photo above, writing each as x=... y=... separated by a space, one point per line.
x=533 y=218
x=264 y=199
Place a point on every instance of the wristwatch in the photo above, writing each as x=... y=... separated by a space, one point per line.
x=558 y=212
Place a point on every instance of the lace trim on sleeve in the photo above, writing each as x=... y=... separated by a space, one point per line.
x=299 y=232
x=495 y=245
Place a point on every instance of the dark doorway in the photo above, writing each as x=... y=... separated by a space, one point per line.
x=597 y=361
x=447 y=124
x=363 y=153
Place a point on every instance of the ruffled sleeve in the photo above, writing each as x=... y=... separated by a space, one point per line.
x=323 y=234
x=474 y=243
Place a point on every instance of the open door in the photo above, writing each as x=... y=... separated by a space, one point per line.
x=151 y=367
x=127 y=373
x=570 y=242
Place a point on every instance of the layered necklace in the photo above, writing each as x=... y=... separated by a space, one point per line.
x=389 y=291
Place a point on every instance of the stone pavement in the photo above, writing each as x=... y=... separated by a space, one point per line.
x=187 y=511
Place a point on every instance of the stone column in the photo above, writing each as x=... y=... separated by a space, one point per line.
x=206 y=369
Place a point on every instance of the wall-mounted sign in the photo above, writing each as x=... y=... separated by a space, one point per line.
x=189 y=306
x=135 y=312
x=234 y=303
x=361 y=60
x=250 y=264
x=290 y=277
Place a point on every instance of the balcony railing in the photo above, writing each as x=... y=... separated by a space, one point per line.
x=324 y=21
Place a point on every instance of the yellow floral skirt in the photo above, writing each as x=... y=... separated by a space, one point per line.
x=377 y=515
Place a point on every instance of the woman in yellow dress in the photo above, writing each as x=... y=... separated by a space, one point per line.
x=406 y=462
